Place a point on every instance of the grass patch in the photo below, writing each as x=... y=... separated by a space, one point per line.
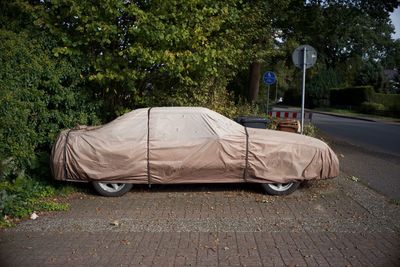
x=23 y=196
x=395 y=201
x=309 y=129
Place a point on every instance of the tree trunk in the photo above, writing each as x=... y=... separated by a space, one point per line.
x=254 y=85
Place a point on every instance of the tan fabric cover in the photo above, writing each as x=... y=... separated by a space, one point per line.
x=187 y=145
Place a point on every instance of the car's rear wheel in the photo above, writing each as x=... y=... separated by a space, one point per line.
x=111 y=189
x=278 y=189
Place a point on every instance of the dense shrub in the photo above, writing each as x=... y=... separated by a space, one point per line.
x=211 y=94
x=317 y=90
x=390 y=101
x=292 y=97
x=23 y=196
x=351 y=96
x=364 y=98
x=371 y=107
x=39 y=96
x=370 y=73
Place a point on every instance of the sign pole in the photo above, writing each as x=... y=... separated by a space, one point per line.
x=269 y=78
x=304 y=57
x=303 y=88
x=276 y=91
x=267 y=98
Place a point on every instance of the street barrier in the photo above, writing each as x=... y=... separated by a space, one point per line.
x=289 y=115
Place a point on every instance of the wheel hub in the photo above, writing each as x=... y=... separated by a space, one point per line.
x=111 y=187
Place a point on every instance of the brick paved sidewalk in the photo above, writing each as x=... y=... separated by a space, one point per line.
x=328 y=223
x=201 y=249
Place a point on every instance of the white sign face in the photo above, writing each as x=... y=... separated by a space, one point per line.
x=298 y=56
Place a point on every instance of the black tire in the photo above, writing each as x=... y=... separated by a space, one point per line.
x=108 y=189
x=277 y=189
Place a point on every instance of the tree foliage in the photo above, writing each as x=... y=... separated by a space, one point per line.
x=318 y=88
x=40 y=95
x=370 y=73
x=157 y=52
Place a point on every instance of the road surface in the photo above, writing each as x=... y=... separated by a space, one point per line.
x=369 y=151
x=373 y=136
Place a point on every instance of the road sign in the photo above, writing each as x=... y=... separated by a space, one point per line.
x=298 y=56
x=304 y=57
x=269 y=78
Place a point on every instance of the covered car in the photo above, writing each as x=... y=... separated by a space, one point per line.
x=171 y=145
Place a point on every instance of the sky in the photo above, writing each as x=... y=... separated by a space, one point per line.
x=395 y=17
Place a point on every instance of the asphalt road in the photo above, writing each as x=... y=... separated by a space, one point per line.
x=373 y=136
x=368 y=151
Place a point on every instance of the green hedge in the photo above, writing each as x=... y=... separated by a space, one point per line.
x=39 y=95
x=292 y=97
x=364 y=99
x=351 y=96
x=390 y=101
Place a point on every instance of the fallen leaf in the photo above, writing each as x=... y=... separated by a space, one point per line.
x=355 y=179
x=34 y=216
x=125 y=242
x=115 y=223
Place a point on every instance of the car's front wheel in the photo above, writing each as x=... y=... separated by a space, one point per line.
x=279 y=189
x=111 y=189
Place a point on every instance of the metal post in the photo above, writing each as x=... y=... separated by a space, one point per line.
x=276 y=91
x=303 y=88
x=267 y=98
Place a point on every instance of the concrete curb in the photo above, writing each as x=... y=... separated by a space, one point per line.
x=345 y=116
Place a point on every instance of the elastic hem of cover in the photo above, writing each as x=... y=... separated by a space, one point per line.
x=65 y=156
x=148 y=148
x=245 y=174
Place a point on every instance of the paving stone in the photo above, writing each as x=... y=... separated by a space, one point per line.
x=326 y=223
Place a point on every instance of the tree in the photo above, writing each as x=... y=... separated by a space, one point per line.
x=152 y=52
x=40 y=95
x=371 y=73
x=340 y=30
x=318 y=88
x=391 y=59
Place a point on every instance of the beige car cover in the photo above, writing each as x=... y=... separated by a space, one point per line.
x=187 y=145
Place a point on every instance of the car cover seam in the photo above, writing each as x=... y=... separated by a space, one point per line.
x=65 y=156
x=245 y=174
x=148 y=148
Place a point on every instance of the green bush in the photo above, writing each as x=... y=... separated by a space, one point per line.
x=390 y=101
x=366 y=100
x=371 y=107
x=292 y=97
x=351 y=96
x=310 y=130
x=23 y=196
x=40 y=95
x=317 y=90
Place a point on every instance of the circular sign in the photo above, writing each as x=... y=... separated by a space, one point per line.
x=269 y=78
x=310 y=58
